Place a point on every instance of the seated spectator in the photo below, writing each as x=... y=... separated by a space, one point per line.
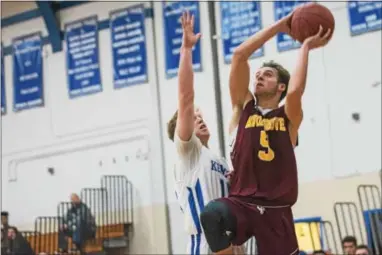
x=362 y=250
x=4 y=231
x=18 y=245
x=79 y=224
x=3 y=237
x=349 y=243
x=319 y=252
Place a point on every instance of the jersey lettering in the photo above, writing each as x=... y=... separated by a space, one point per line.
x=215 y=166
x=273 y=124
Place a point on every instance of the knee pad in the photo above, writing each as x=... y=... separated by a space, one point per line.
x=210 y=218
x=214 y=222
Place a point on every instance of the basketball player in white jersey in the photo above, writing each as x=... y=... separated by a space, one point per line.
x=199 y=174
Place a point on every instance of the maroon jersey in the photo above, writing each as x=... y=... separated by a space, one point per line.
x=265 y=170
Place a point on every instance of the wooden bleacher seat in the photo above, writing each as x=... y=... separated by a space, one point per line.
x=48 y=242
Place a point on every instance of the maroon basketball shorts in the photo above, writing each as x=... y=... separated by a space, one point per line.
x=272 y=227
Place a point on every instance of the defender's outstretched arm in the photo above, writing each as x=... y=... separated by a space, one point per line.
x=185 y=121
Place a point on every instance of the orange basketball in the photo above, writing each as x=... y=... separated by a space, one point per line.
x=307 y=18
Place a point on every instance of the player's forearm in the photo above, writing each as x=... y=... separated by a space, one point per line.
x=298 y=78
x=249 y=46
x=293 y=105
x=236 y=113
x=185 y=120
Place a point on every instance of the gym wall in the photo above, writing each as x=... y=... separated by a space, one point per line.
x=123 y=131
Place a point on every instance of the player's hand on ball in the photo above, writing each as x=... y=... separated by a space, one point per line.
x=318 y=40
x=286 y=24
x=189 y=37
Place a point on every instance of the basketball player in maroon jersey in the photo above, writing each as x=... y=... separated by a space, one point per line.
x=264 y=184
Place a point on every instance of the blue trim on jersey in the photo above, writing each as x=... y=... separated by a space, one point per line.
x=195 y=247
x=199 y=196
x=222 y=187
x=197 y=251
x=194 y=212
x=192 y=244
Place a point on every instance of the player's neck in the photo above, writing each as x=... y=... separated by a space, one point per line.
x=268 y=103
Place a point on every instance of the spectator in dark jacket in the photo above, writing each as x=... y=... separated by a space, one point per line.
x=79 y=224
x=18 y=245
x=4 y=230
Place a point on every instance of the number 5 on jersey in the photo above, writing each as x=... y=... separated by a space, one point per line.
x=265 y=154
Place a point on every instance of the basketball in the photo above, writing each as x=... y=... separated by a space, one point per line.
x=307 y=18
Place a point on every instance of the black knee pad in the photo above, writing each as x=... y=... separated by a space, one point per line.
x=216 y=220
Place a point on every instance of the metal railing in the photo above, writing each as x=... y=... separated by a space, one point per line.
x=120 y=197
x=348 y=220
x=329 y=236
x=62 y=211
x=371 y=205
x=46 y=228
x=97 y=201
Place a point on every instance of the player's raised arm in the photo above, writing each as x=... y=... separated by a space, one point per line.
x=240 y=72
x=297 y=81
x=185 y=121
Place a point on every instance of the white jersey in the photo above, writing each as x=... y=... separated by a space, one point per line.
x=199 y=178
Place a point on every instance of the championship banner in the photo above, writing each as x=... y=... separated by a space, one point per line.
x=82 y=57
x=3 y=102
x=172 y=11
x=239 y=20
x=128 y=46
x=364 y=16
x=282 y=8
x=27 y=72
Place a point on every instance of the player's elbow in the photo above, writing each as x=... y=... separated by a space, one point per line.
x=294 y=93
x=238 y=56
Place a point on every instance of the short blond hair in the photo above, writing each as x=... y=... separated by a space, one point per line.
x=171 y=126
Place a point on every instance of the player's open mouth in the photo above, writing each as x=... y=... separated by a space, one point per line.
x=259 y=85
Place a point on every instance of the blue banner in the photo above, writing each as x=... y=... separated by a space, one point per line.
x=3 y=102
x=82 y=57
x=283 y=8
x=240 y=20
x=172 y=12
x=365 y=16
x=27 y=72
x=129 y=46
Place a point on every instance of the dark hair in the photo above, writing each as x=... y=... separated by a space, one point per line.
x=14 y=229
x=4 y=213
x=282 y=73
x=349 y=239
x=363 y=246
x=171 y=126
x=318 y=252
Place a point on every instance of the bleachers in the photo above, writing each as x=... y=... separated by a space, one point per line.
x=370 y=201
x=321 y=234
x=315 y=234
x=112 y=207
